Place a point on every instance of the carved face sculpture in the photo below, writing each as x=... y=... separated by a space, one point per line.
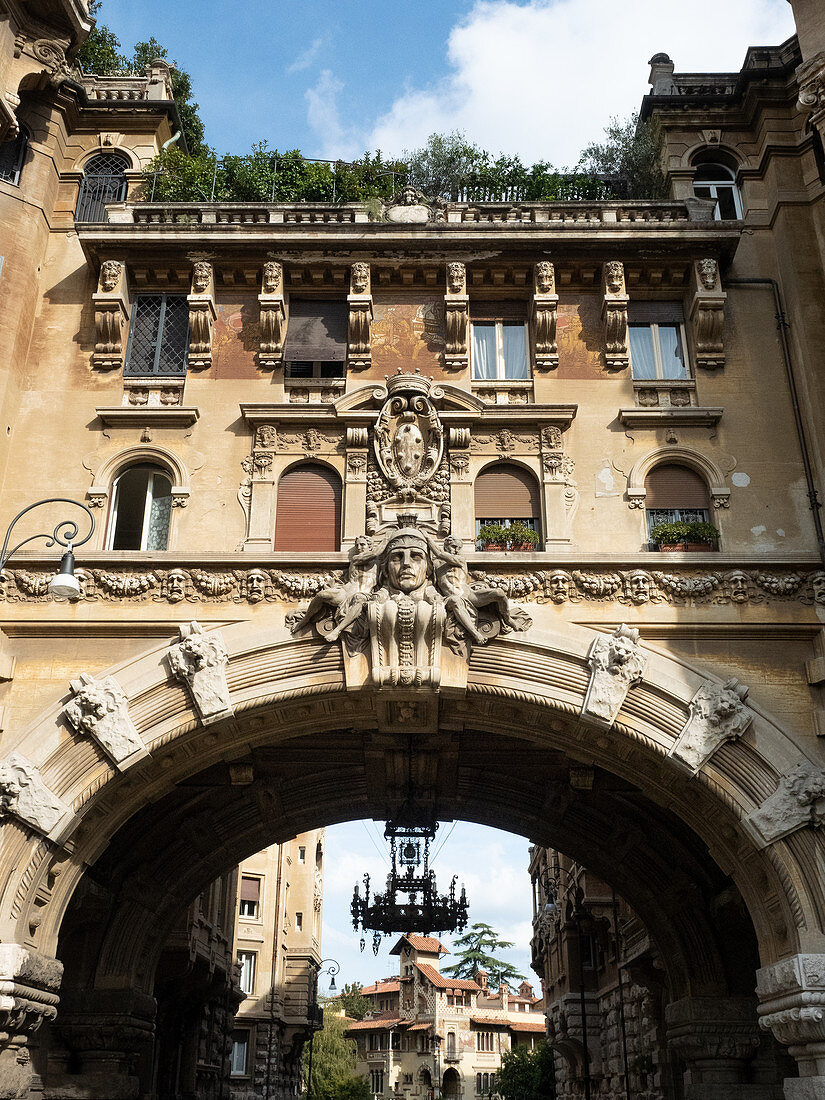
x=558 y=585
x=806 y=786
x=455 y=278
x=109 y=275
x=452 y=545
x=406 y=564
x=614 y=276
x=638 y=586
x=707 y=273
x=408 y=197
x=544 y=277
x=272 y=277
x=200 y=276
x=621 y=650
x=255 y=585
x=362 y=544
x=9 y=789
x=818 y=587
x=725 y=706
x=97 y=703
x=175 y=585
x=737 y=583
x=360 y=278
x=408 y=447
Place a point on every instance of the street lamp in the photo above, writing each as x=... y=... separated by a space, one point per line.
x=333 y=968
x=65 y=583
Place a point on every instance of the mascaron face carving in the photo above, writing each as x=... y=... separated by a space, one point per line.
x=110 y=275
x=201 y=274
x=271 y=277
x=708 y=271
x=360 y=276
x=409 y=436
x=614 y=276
x=456 y=278
x=545 y=277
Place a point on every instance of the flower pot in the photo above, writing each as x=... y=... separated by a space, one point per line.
x=671 y=547
x=697 y=547
x=522 y=547
x=494 y=546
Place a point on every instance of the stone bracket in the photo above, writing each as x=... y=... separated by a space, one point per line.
x=544 y=316
x=457 y=316
x=614 y=316
x=111 y=307
x=707 y=314
x=199 y=660
x=100 y=710
x=202 y=315
x=798 y=800
x=617 y=662
x=24 y=795
x=717 y=715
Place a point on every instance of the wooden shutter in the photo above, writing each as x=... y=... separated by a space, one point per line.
x=316 y=331
x=250 y=889
x=486 y=312
x=672 y=486
x=656 y=313
x=505 y=491
x=308 y=509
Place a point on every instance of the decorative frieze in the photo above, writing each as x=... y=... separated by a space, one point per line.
x=717 y=714
x=100 y=710
x=616 y=662
x=799 y=800
x=457 y=310
x=271 y=316
x=359 y=356
x=792 y=1007
x=545 y=313
x=111 y=308
x=201 y=315
x=614 y=316
x=707 y=314
x=25 y=796
x=199 y=660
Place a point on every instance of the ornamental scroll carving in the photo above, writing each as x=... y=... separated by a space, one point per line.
x=799 y=800
x=406 y=596
x=100 y=710
x=111 y=310
x=717 y=714
x=707 y=314
x=810 y=77
x=614 y=316
x=359 y=353
x=457 y=315
x=24 y=795
x=271 y=316
x=201 y=316
x=409 y=436
x=545 y=313
x=199 y=660
x=617 y=662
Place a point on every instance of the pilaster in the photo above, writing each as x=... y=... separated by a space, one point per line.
x=271 y=316
x=707 y=314
x=614 y=316
x=457 y=310
x=201 y=315
x=111 y=308
x=359 y=299
x=716 y=1038
x=544 y=315
x=29 y=984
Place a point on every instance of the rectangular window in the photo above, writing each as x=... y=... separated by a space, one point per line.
x=299 y=922
x=316 y=338
x=239 y=1058
x=158 y=337
x=302 y=854
x=484 y=1041
x=247 y=959
x=377 y=1081
x=500 y=351
x=655 y=516
x=657 y=351
x=315 y=369
x=250 y=899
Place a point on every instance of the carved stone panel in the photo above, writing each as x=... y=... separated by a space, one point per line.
x=199 y=660
x=271 y=316
x=545 y=310
x=24 y=795
x=111 y=310
x=201 y=316
x=799 y=800
x=101 y=711
x=717 y=714
x=616 y=663
x=614 y=316
x=359 y=354
x=707 y=314
x=457 y=313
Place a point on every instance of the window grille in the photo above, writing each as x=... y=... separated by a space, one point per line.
x=12 y=154
x=158 y=336
x=104 y=180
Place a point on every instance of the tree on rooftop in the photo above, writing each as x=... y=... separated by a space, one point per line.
x=441 y=166
x=475 y=951
x=631 y=149
x=352 y=1001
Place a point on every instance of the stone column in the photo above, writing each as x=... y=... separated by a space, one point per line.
x=716 y=1038
x=792 y=1006
x=29 y=984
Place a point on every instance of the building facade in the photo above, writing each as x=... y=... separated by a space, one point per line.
x=433 y=1035
x=291 y=423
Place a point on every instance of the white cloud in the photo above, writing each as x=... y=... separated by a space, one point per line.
x=305 y=59
x=543 y=78
x=324 y=117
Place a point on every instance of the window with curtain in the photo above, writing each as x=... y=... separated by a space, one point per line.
x=308 y=509
x=141 y=510
x=158 y=343
x=239 y=1058
x=249 y=901
x=715 y=181
x=12 y=155
x=316 y=338
x=247 y=961
x=675 y=493
x=657 y=342
x=104 y=180
x=500 y=348
x=506 y=493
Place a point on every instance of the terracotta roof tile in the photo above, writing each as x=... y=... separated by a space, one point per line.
x=391 y=986
x=429 y=944
x=380 y=1022
x=441 y=982
x=528 y=1025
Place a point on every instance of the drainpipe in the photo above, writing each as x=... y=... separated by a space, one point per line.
x=781 y=327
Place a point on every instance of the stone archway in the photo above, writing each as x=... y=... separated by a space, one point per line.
x=136 y=810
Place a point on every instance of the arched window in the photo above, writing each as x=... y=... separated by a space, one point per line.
x=716 y=181
x=12 y=155
x=141 y=509
x=309 y=509
x=675 y=493
x=506 y=494
x=104 y=180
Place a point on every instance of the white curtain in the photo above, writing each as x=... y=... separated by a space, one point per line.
x=641 y=352
x=515 y=351
x=670 y=346
x=484 y=351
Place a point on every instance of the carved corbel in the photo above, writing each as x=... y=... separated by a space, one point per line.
x=717 y=714
x=24 y=795
x=457 y=310
x=707 y=314
x=111 y=307
x=614 y=316
x=201 y=315
x=199 y=660
x=271 y=316
x=799 y=800
x=30 y=985
x=810 y=78
x=791 y=999
x=617 y=662
x=101 y=711
x=545 y=311
x=359 y=300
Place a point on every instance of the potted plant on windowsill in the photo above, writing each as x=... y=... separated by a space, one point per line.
x=521 y=537
x=492 y=536
x=690 y=537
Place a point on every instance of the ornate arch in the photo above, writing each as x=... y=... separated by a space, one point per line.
x=684 y=456
x=104 y=477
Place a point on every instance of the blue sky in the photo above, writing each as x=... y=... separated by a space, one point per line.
x=536 y=77
x=491 y=864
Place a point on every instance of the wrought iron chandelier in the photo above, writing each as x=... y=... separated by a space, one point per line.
x=420 y=908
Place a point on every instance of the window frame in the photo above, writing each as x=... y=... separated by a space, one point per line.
x=90 y=202
x=133 y=376
x=659 y=377
x=317 y=375
x=501 y=365
x=726 y=180
x=149 y=498
x=242 y=901
x=247 y=1044
x=251 y=957
x=22 y=140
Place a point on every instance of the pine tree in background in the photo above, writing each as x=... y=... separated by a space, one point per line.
x=474 y=952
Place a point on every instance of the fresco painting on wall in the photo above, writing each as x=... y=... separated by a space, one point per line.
x=235 y=339
x=408 y=334
x=579 y=337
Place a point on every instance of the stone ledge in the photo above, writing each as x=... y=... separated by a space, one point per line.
x=148 y=416
x=683 y=416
